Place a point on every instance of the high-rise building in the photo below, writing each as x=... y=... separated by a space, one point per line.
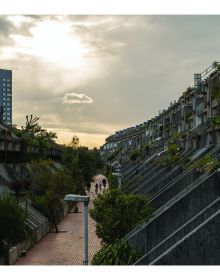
x=5 y=97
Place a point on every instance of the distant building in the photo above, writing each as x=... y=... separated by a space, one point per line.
x=5 y=97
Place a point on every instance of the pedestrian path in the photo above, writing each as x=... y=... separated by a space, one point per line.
x=67 y=246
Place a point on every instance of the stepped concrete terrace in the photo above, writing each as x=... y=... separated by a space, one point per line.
x=185 y=224
x=200 y=247
x=178 y=170
x=188 y=203
x=158 y=251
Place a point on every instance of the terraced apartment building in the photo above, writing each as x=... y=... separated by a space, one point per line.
x=174 y=158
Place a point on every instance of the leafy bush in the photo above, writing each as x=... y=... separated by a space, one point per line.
x=171 y=157
x=118 y=253
x=206 y=164
x=117 y=213
x=12 y=221
x=50 y=186
x=216 y=121
x=112 y=181
x=215 y=93
x=135 y=154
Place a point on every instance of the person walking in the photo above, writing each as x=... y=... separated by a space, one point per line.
x=88 y=185
x=104 y=182
x=96 y=188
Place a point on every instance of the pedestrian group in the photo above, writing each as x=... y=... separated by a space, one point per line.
x=98 y=185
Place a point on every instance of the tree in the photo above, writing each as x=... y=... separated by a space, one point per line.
x=117 y=213
x=20 y=188
x=33 y=135
x=12 y=222
x=82 y=164
x=50 y=185
x=74 y=142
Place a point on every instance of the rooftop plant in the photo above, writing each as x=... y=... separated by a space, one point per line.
x=206 y=164
x=216 y=121
x=215 y=93
x=135 y=154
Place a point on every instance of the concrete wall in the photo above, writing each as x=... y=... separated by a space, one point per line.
x=200 y=247
x=176 y=215
x=173 y=189
x=180 y=233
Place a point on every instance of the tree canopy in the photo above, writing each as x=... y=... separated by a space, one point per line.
x=117 y=213
x=12 y=221
x=50 y=185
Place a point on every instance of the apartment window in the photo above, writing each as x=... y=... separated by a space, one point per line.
x=8 y=85
x=8 y=89
x=3 y=103
x=8 y=80
x=8 y=104
x=4 y=79
x=8 y=109
x=8 y=113
x=4 y=84
x=4 y=89
x=4 y=98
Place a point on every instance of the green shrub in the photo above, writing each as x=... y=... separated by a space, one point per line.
x=118 y=253
x=135 y=154
x=117 y=213
x=216 y=121
x=206 y=164
x=112 y=181
x=12 y=221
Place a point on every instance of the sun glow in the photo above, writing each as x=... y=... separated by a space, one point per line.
x=52 y=41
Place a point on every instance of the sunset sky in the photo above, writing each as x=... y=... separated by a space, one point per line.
x=93 y=75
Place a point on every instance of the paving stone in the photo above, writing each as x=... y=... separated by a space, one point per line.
x=67 y=246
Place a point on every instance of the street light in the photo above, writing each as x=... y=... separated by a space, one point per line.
x=85 y=200
x=117 y=172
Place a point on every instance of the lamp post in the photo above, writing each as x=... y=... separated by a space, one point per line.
x=117 y=172
x=85 y=200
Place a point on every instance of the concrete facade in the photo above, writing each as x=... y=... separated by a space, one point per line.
x=185 y=197
x=190 y=117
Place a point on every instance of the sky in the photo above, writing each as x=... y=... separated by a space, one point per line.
x=93 y=75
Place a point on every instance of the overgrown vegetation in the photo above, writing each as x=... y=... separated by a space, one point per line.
x=135 y=154
x=206 y=164
x=35 y=139
x=119 y=252
x=215 y=93
x=216 y=121
x=12 y=225
x=170 y=157
x=50 y=186
x=186 y=93
x=117 y=213
x=46 y=182
x=112 y=181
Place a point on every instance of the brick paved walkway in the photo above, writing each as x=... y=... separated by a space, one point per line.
x=66 y=247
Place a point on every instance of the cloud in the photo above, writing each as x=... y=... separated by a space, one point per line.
x=73 y=98
x=129 y=63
